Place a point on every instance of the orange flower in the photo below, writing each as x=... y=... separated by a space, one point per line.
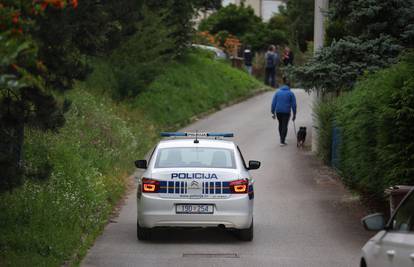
x=56 y=3
x=74 y=3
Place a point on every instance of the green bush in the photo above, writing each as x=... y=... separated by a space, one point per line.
x=174 y=98
x=377 y=122
x=142 y=57
x=325 y=116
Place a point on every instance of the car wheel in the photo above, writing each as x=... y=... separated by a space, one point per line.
x=246 y=234
x=143 y=233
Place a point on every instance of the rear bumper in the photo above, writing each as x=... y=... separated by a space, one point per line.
x=234 y=212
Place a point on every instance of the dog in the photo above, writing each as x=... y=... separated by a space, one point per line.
x=301 y=136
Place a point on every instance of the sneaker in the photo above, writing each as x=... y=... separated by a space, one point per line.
x=282 y=144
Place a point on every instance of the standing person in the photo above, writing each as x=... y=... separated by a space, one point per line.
x=288 y=56
x=271 y=61
x=248 y=59
x=283 y=102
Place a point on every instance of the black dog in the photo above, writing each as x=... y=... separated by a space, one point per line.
x=301 y=137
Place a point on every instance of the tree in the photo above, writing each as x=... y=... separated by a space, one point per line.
x=24 y=96
x=143 y=56
x=237 y=20
x=179 y=17
x=43 y=48
x=364 y=36
x=299 y=15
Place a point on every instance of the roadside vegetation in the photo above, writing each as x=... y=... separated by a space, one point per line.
x=48 y=221
x=364 y=76
x=85 y=88
x=236 y=27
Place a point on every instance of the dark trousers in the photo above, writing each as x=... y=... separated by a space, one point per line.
x=283 y=119
x=270 y=77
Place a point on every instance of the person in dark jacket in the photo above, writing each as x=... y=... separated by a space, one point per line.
x=283 y=102
x=271 y=61
x=248 y=59
x=288 y=56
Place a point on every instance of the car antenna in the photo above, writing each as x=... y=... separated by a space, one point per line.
x=196 y=139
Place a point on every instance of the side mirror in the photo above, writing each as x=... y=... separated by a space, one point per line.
x=141 y=164
x=374 y=222
x=254 y=165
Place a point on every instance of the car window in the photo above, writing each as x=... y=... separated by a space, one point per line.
x=404 y=217
x=200 y=157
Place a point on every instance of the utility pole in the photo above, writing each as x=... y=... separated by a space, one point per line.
x=318 y=42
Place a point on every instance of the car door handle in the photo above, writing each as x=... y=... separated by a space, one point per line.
x=391 y=253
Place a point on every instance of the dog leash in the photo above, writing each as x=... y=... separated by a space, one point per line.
x=294 y=128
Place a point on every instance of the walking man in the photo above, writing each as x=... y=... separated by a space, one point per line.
x=248 y=59
x=271 y=61
x=283 y=102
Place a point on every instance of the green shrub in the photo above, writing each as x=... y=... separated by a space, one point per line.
x=139 y=60
x=174 y=98
x=377 y=122
x=325 y=116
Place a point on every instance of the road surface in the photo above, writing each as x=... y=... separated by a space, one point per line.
x=303 y=217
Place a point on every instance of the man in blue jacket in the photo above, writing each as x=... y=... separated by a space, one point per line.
x=283 y=101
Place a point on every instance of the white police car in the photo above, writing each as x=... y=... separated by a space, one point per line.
x=196 y=182
x=394 y=244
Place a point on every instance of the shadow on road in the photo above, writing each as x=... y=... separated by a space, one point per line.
x=193 y=236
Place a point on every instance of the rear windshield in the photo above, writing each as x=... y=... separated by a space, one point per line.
x=200 y=157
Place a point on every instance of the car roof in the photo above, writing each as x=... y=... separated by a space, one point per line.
x=189 y=142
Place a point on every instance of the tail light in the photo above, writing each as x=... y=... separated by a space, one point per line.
x=150 y=186
x=239 y=186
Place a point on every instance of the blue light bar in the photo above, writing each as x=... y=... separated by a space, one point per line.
x=172 y=134
x=198 y=134
x=221 y=134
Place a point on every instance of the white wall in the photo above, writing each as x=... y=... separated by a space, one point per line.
x=269 y=8
x=227 y=2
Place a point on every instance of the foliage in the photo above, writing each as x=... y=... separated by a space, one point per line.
x=325 y=115
x=235 y=19
x=299 y=18
x=241 y=21
x=179 y=17
x=338 y=66
x=142 y=57
x=24 y=95
x=363 y=36
x=370 y=19
x=377 y=121
x=174 y=98
x=223 y=40
x=54 y=221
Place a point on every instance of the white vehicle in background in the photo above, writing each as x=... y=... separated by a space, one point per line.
x=218 y=53
x=195 y=180
x=393 y=246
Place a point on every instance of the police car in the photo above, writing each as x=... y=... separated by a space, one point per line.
x=196 y=180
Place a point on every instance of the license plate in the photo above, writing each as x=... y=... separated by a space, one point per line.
x=194 y=208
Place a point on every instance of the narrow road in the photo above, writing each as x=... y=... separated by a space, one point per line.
x=303 y=217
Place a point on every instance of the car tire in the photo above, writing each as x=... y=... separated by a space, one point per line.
x=143 y=233
x=246 y=234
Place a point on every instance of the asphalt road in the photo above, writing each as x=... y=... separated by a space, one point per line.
x=302 y=217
